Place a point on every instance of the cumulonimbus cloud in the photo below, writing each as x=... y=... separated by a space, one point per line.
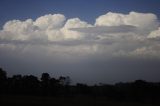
x=112 y=34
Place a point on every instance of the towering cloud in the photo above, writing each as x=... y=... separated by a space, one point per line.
x=114 y=34
x=142 y=20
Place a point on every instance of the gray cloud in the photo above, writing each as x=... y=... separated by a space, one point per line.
x=106 y=29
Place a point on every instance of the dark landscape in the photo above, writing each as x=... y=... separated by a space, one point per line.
x=29 y=90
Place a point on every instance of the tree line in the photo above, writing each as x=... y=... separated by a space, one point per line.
x=138 y=90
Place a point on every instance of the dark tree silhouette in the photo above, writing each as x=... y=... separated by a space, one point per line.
x=16 y=84
x=3 y=75
x=139 y=90
x=54 y=86
x=65 y=80
x=45 y=77
x=45 y=83
x=30 y=84
x=3 y=79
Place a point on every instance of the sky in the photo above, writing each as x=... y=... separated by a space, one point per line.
x=92 y=41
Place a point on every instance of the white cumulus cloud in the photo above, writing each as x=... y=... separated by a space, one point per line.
x=141 y=20
x=155 y=34
x=112 y=34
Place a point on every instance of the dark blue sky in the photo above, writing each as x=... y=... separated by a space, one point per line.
x=86 y=10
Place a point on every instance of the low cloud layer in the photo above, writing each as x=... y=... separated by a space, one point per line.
x=56 y=39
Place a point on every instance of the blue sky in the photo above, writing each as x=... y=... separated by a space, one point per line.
x=87 y=10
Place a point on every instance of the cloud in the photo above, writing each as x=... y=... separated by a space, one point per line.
x=48 y=27
x=155 y=35
x=106 y=29
x=142 y=20
x=50 y=21
x=74 y=23
x=112 y=34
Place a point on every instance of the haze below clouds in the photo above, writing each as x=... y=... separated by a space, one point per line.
x=117 y=47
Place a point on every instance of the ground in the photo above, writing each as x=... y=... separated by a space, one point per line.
x=64 y=101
